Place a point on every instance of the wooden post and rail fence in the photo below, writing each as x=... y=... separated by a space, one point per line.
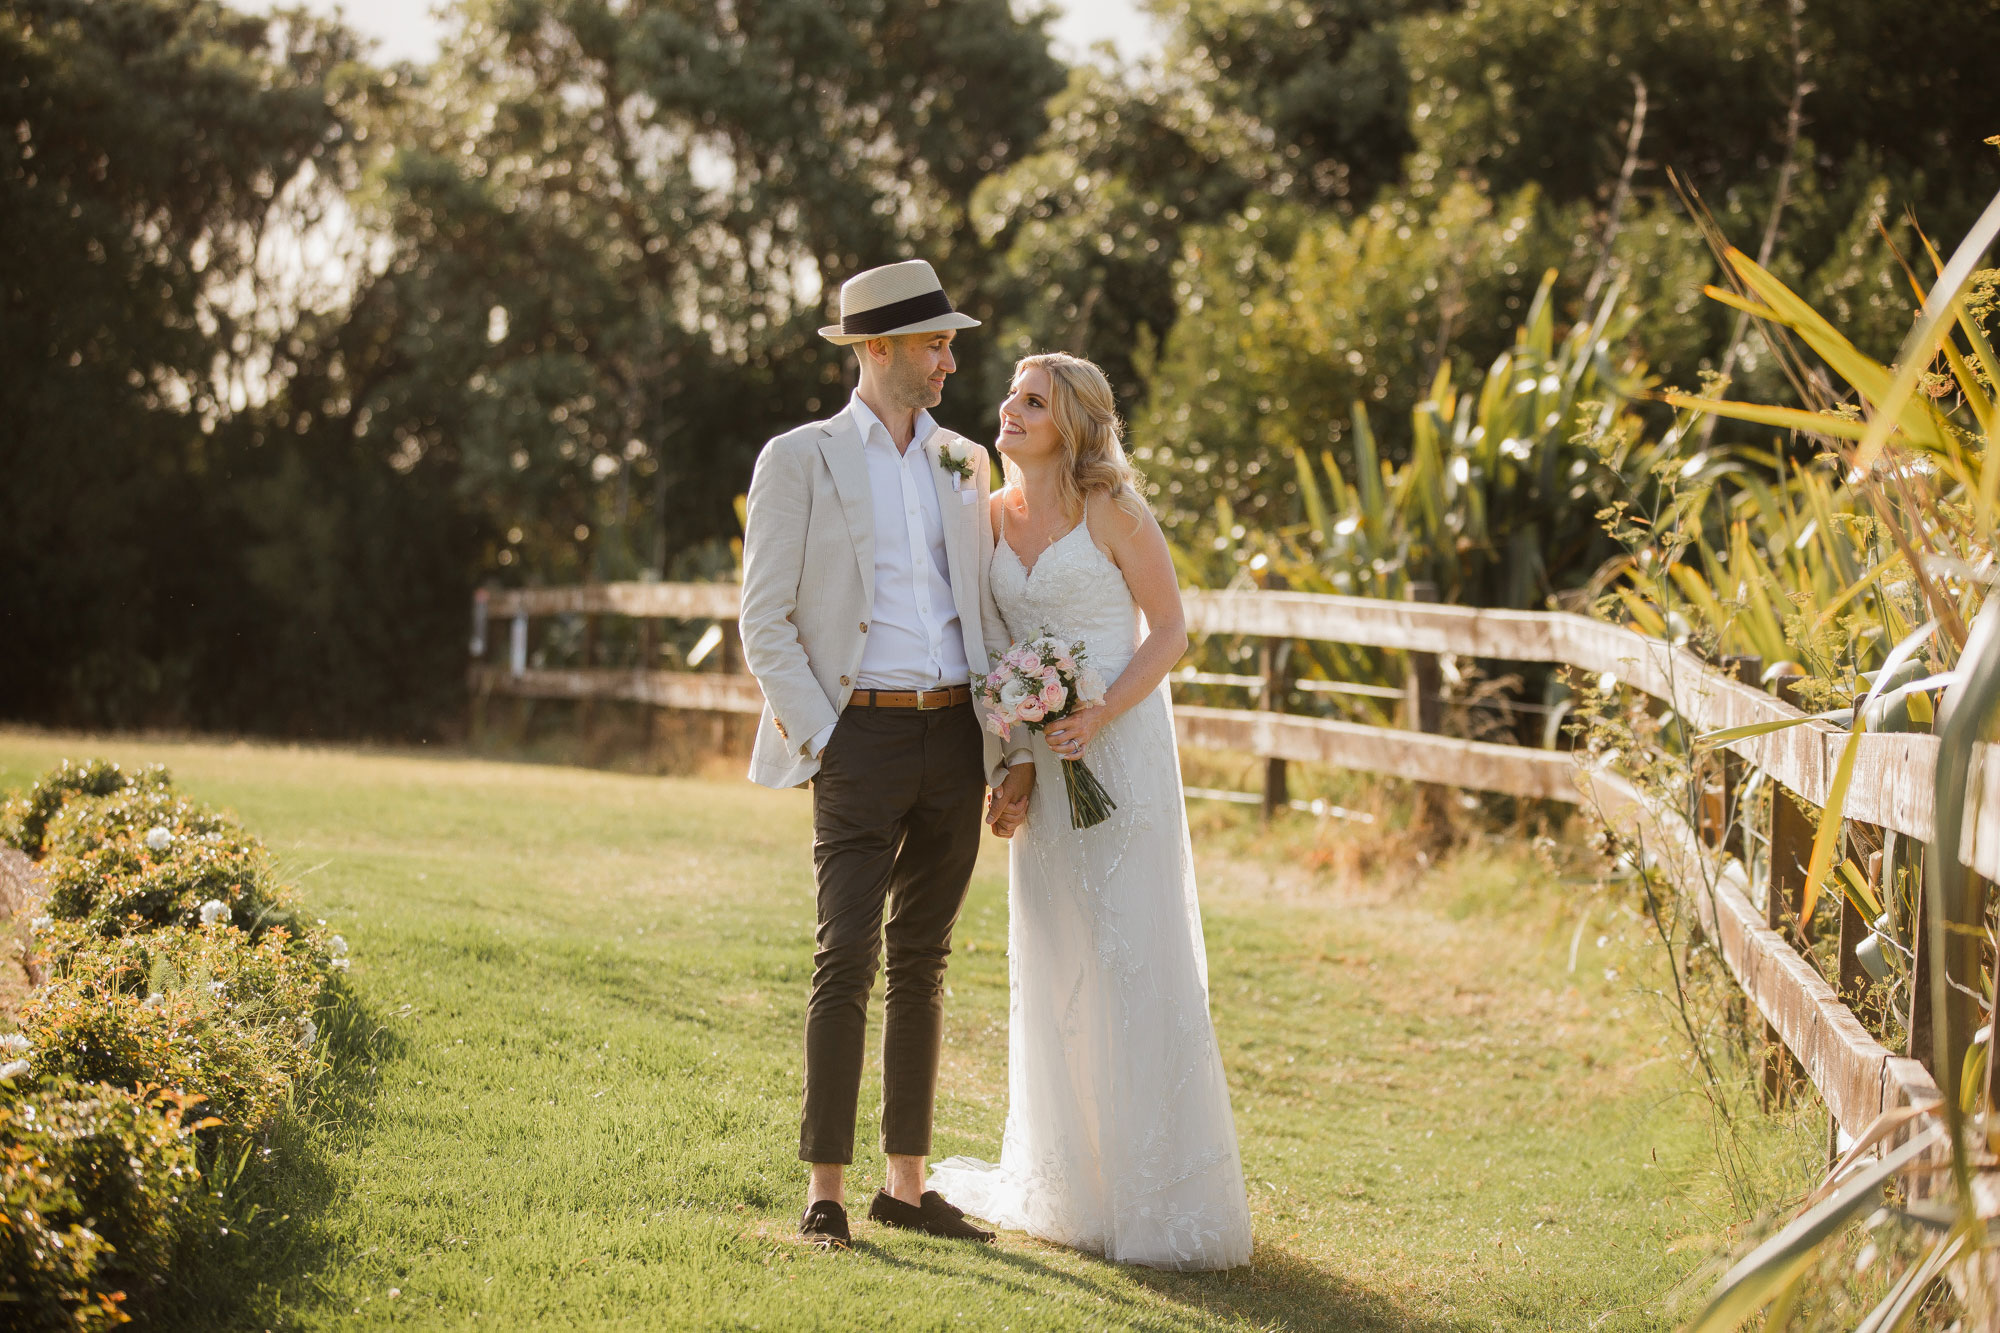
x=1809 y=1017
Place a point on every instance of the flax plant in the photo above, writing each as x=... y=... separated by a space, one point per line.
x=1866 y=568
x=1495 y=505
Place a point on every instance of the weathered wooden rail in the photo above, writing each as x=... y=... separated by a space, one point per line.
x=1809 y=1015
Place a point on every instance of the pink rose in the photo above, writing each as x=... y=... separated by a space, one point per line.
x=1023 y=660
x=1031 y=710
x=1066 y=664
x=995 y=680
x=997 y=724
x=1052 y=697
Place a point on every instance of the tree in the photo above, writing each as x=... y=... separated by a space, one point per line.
x=615 y=230
x=152 y=146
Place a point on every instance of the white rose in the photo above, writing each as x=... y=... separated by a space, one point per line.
x=1090 y=685
x=159 y=838
x=213 y=911
x=1014 y=691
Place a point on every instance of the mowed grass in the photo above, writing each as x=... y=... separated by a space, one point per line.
x=574 y=1095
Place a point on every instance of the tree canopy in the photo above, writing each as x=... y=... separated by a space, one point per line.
x=298 y=349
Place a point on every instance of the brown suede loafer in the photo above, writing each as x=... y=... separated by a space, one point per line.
x=934 y=1217
x=825 y=1225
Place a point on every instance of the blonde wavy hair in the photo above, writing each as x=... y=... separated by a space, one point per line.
x=1086 y=417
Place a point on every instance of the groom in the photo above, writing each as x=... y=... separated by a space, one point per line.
x=865 y=614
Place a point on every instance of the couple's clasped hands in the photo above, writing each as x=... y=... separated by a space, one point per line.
x=1068 y=738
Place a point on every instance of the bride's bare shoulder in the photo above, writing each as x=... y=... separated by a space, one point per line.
x=1116 y=518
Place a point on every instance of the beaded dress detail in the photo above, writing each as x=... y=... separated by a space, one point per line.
x=1119 y=1135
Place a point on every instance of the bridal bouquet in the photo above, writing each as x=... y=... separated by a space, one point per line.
x=1042 y=680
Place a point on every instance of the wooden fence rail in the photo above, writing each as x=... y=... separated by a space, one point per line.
x=1892 y=789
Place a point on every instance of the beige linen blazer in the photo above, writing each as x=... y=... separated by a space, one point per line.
x=809 y=583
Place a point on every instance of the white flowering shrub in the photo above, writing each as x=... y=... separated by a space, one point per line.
x=179 y=973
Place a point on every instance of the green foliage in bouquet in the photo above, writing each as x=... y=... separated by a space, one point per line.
x=96 y=1183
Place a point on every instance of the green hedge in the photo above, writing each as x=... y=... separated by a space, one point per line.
x=175 y=1020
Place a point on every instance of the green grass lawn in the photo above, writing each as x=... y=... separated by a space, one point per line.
x=573 y=1098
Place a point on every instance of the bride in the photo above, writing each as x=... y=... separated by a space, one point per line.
x=1119 y=1136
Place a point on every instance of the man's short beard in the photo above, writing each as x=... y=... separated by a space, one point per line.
x=908 y=381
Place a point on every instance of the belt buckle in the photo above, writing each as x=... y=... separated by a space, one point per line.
x=923 y=707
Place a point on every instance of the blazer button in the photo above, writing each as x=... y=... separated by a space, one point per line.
x=864 y=627
x=843 y=680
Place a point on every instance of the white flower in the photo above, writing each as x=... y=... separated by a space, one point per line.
x=217 y=987
x=337 y=964
x=152 y=1001
x=159 y=838
x=1090 y=685
x=213 y=911
x=14 y=1044
x=14 y=1069
x=310 y=1029
x=40 y=924
x=339 y=946
x=1014 y=691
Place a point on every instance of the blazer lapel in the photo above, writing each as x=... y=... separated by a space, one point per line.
x=840 y=446
x=961 y=561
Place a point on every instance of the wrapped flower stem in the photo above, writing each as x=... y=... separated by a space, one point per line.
x=1089 y=804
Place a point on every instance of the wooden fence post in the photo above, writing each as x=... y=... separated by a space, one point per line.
x=648 y=711
x=729 y=662
x=475 y=722
x=587 y=707
x=1784 y=896
x=1747 y=668
x=1274 y=660
x=517 y=663
x=1422 y=710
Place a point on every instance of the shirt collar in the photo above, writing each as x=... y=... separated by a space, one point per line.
x=868 y=423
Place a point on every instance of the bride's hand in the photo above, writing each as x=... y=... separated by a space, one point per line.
x=1070 y=737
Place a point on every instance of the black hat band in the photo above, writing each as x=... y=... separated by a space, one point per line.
x=868 y=323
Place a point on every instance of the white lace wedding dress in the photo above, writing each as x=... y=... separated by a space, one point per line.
x=1119 y=1135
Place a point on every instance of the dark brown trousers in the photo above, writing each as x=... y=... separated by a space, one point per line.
x=896 y=820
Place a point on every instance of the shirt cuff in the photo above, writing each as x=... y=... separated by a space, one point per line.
x=1016 y=757
x=817 y=745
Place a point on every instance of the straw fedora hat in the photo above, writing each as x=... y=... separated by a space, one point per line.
x=891 y=300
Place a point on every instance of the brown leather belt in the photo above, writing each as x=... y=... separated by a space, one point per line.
x=942 y=697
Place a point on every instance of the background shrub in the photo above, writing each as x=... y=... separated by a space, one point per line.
x=26 y=815
x=95 y=1185
x=181 y=979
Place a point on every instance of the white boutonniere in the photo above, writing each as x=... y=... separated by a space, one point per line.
x=956 y=463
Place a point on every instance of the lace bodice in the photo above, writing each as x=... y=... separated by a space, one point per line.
x=1074 y=591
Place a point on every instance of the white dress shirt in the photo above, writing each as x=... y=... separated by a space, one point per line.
x=914 y=640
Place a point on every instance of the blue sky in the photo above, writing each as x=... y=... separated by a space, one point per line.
x=407 y=31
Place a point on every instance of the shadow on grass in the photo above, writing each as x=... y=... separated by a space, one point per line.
x=279 y=1187
x=1277 y=1291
